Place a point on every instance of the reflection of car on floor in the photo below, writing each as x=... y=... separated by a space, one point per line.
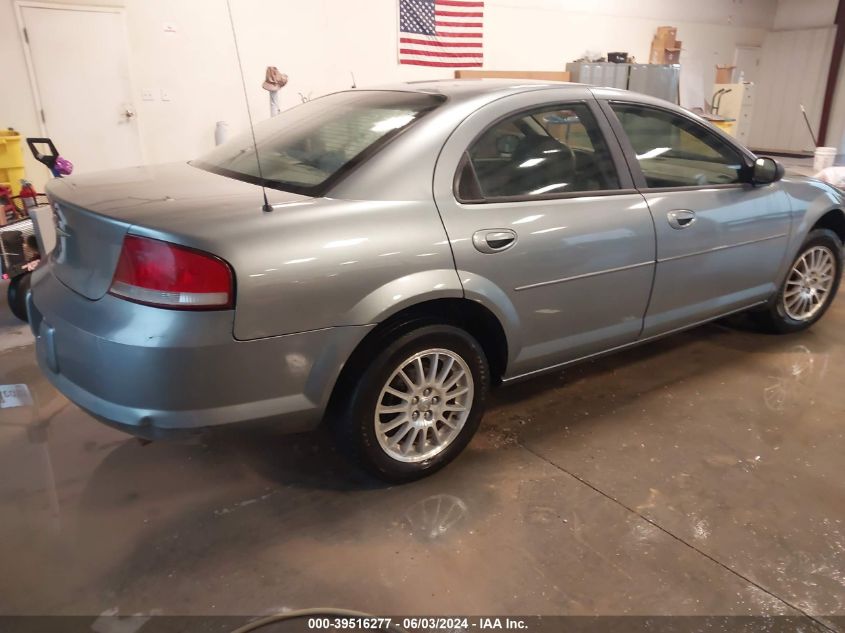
x=422 y=242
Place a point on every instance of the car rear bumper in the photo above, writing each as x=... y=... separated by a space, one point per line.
x=155 y=372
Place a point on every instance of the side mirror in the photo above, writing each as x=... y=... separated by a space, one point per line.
x=766 y=171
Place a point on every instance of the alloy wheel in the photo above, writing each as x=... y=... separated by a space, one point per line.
x=423 y=405
x=809 y=283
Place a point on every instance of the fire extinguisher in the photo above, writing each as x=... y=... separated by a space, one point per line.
x=28 y=196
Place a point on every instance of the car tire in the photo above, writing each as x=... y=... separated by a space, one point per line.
x=16 y=295
x=402 y=428
x=809 y=287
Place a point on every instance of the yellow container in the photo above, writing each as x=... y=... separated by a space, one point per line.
x=725 y=126
x=11 y=160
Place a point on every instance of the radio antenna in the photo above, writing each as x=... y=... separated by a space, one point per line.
x=266 y=207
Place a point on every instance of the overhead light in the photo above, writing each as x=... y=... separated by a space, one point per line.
x=547 y=188
x=393 y=123
x=531 y=162
x=554 y=228
x=653 y=153
x=528 y=218
x=340 y=243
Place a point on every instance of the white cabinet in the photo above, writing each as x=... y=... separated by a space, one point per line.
x=736 y=102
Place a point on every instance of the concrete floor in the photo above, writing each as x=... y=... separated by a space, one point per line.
x=702 y=474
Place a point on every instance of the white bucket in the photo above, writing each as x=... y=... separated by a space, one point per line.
x=221 y=133
x=824 y=158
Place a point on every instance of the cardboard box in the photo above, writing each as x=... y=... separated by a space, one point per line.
x=672 y=55
x=665 y=47
x=667 y=32
x=724 y=74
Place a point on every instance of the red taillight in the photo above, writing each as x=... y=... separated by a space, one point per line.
x=169 y=276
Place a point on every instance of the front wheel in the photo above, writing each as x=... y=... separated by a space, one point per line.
x=809 y=287
x=418 y=404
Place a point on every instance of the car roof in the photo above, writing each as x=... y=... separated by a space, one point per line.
x=471 y=88
x=465 y=96
x=459 y=90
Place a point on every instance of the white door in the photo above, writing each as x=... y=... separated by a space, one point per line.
x=747 y=62
x=81 y=72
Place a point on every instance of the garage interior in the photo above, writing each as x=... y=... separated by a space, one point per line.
x=698 y=475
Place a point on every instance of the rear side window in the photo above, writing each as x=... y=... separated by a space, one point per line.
x=674 y=151
x=545 y=152
x=307 y=147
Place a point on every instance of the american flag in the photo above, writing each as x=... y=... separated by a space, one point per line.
x=445 y=33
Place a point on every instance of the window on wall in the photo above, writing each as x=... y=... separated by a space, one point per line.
x=555 y=150
x=674 y=151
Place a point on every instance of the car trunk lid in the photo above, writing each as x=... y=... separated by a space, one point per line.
x=94 y=212
x=87 y=248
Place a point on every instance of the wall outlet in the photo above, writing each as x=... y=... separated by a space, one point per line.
x=165 y=95
x=147 y=95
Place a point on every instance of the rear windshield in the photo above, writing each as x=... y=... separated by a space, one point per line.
x=305 y=149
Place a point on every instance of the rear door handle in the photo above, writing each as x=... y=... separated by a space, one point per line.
x=493 y=240
x=681 y=218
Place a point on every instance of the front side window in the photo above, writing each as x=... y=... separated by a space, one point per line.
x=301 y=149
x=554 y=150
x=674 y=151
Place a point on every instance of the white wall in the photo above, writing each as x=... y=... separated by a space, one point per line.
x=196 y=65
x=784 y=85
x=317 y=43
x=836 y=128
x=804 y=14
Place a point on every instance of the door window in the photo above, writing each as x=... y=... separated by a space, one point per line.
x=674 y=151
x=551 y=151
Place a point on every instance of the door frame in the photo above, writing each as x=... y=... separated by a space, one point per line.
x=27 y=51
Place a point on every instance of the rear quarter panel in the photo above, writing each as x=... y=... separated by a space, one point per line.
x=328 y=262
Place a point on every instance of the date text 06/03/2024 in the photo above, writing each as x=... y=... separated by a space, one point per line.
x=465 y=624
x=427 y=623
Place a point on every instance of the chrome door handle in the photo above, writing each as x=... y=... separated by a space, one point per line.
x=681 y=218
x=493 y=240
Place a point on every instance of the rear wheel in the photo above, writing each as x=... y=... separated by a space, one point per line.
x=809 y=287
x=16 y=295
x=418 y=404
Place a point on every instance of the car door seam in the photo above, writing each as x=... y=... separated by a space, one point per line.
x=623 y=144
x=653 y=271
